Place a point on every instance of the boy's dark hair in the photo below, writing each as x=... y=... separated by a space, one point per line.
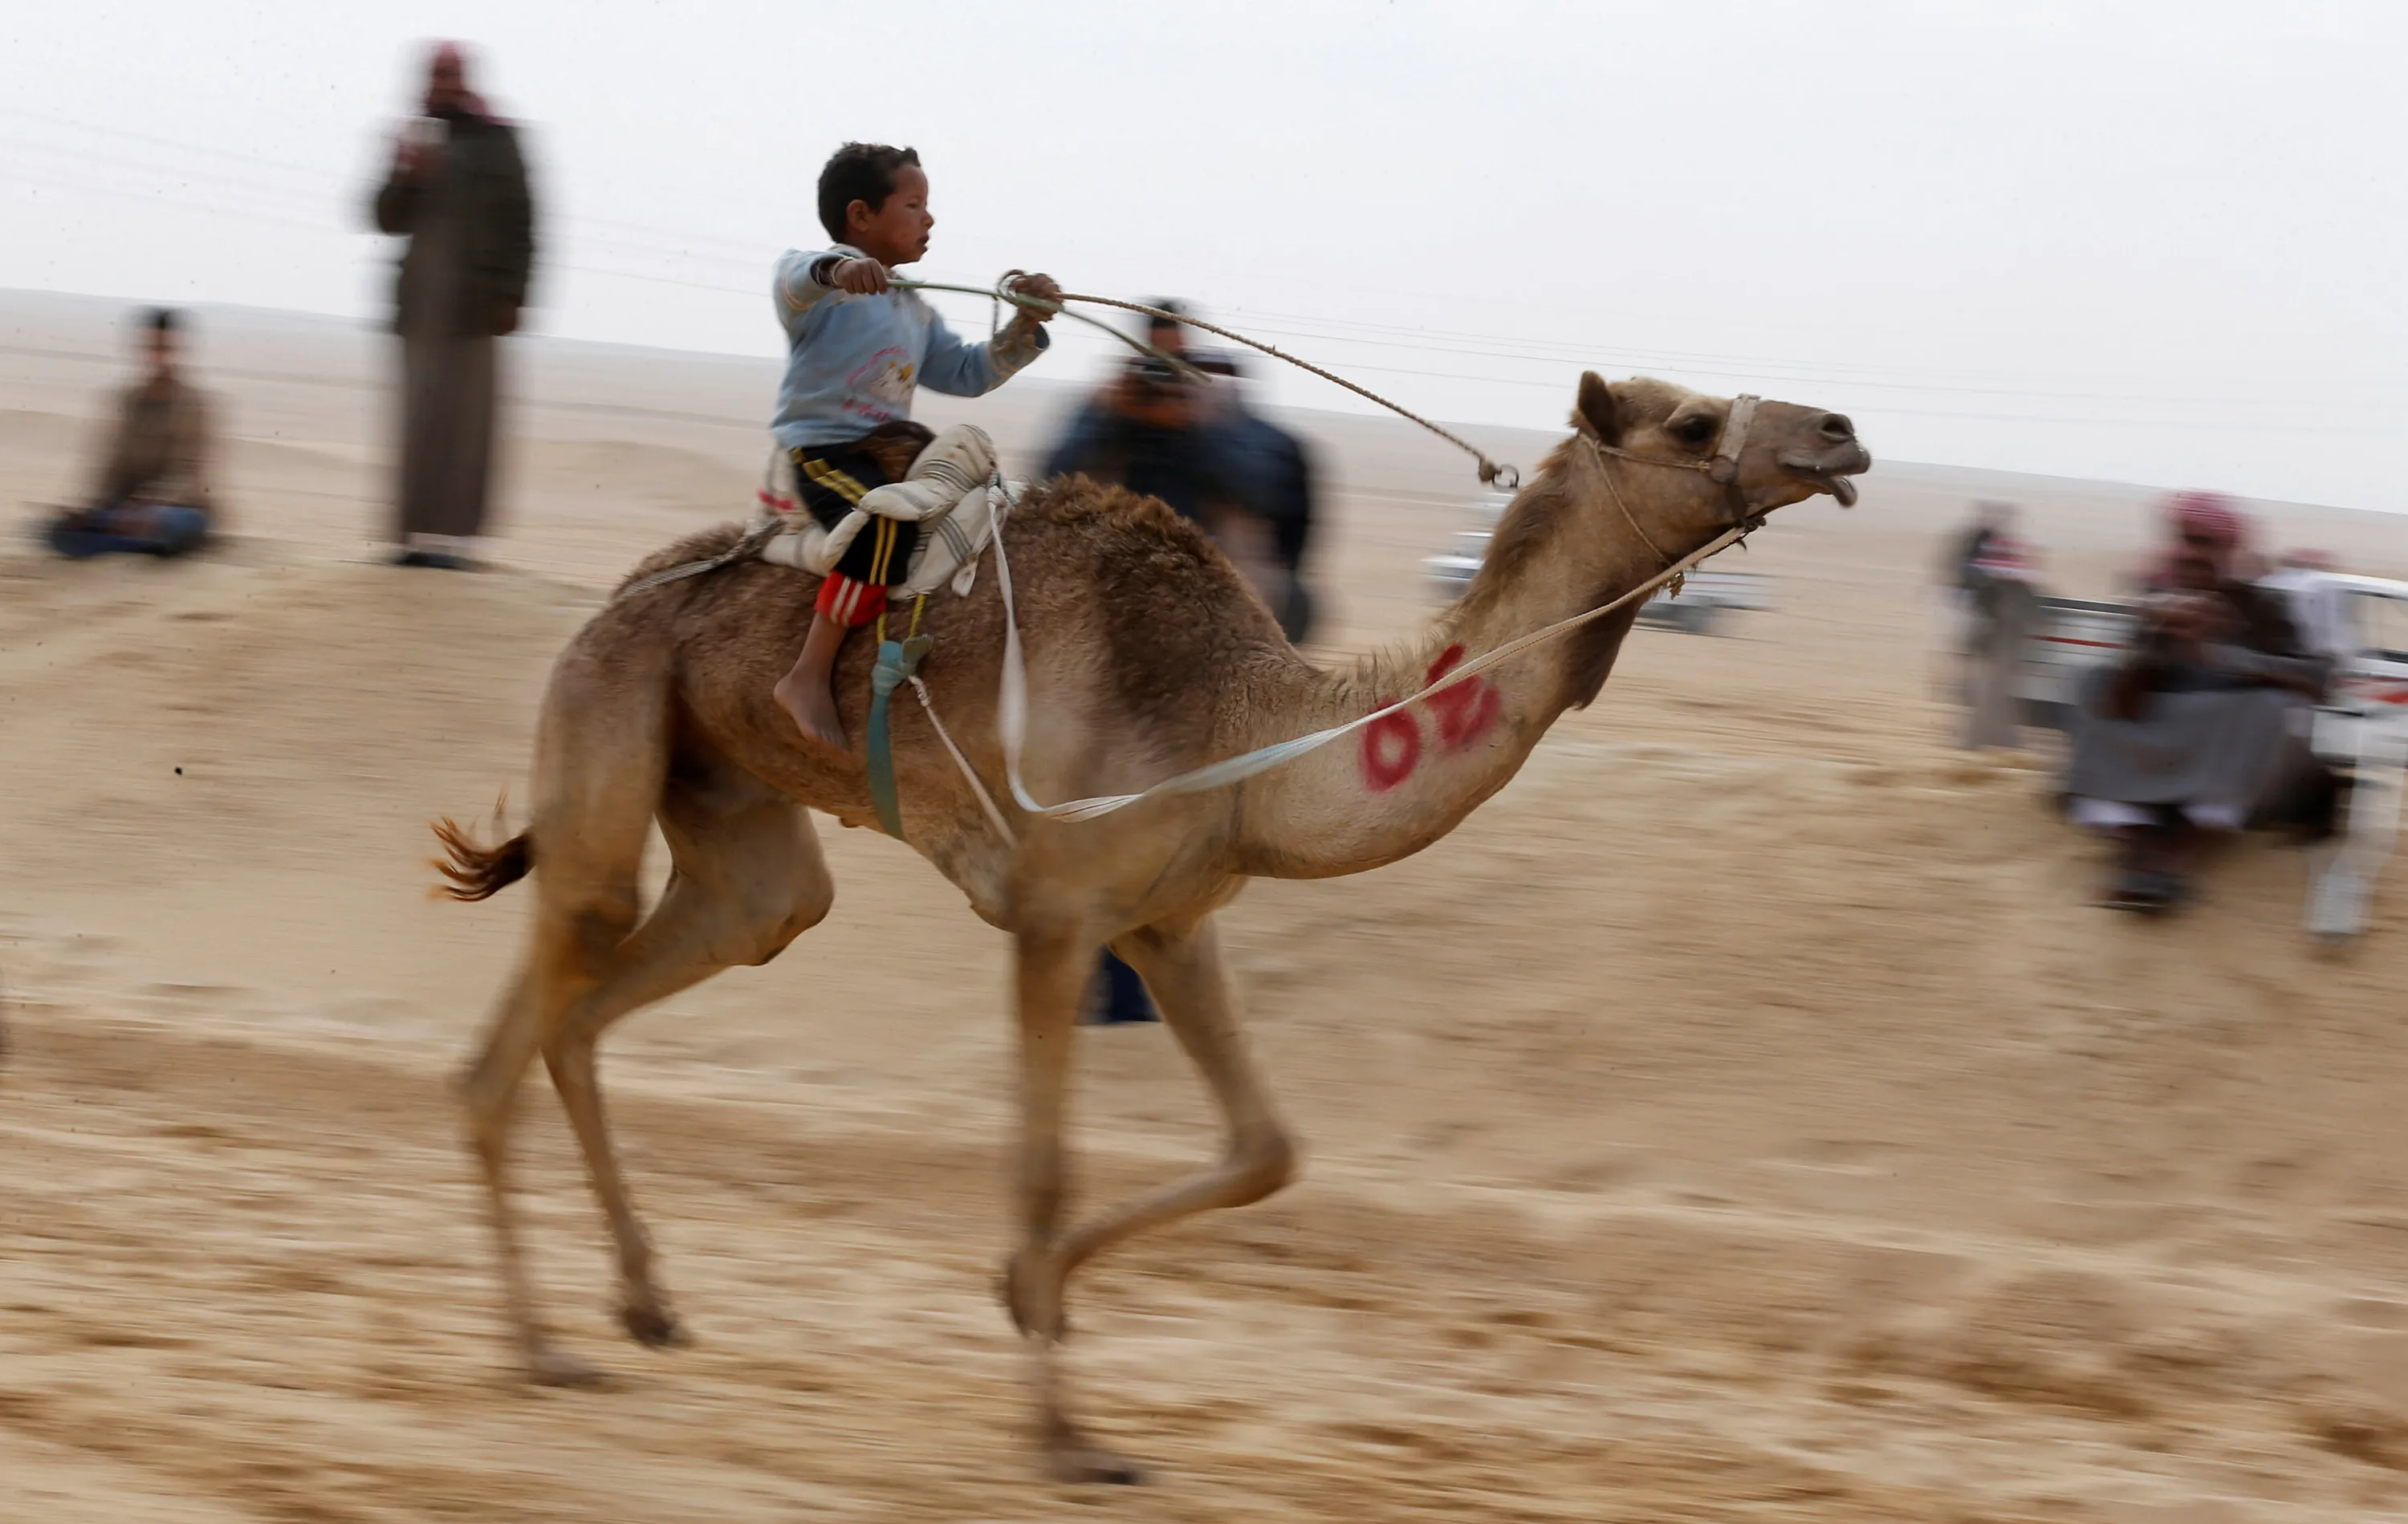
x=160 y=319
x=862 y=172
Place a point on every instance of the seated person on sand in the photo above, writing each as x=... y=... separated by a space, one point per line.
x=2188 y=737
x=152 y=497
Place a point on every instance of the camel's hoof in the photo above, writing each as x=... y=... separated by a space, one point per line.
x=1085 y=1465
x=653 y=1328
x=557 y=1368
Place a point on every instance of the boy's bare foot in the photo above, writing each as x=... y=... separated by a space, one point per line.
x=812 y=707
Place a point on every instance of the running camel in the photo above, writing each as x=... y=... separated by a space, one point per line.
x=1147 y=656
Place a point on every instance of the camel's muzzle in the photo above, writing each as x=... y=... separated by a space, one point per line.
x=1830 y=467
x=1831 y=475
x=1827 y=469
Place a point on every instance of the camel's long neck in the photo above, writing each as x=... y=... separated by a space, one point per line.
x=1390 y=789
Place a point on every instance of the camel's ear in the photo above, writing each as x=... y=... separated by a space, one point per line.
x=1599 y=408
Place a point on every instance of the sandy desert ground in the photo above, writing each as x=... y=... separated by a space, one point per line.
x=1742 y=1117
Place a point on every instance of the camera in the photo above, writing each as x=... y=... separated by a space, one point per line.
x=1153 y=377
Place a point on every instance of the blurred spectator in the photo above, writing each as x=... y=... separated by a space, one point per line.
x=1954 y=608
x=458 y=191
x=1150 y=429
x=1145 y=431
x=1116 y=996
x=1276 y=484
x=2001 y=583
x=2187 y=736
x=152 y=495
x=1966 y=547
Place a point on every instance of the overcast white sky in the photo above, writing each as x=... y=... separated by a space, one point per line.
x=2154 y=242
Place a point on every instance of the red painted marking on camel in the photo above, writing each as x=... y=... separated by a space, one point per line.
x=1391 y=745
x=1467 y=711
x=1392 y=748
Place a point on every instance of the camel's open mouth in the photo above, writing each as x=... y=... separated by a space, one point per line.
x=1832 y=478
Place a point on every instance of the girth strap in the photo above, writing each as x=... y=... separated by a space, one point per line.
x=898 y=660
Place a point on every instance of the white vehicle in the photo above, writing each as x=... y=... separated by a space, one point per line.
x=2362 y=728
x=1704 y=594
x=2076 y=636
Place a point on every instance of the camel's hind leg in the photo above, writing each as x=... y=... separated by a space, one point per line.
x=747 y=878
x=602 y=759
x=586 y=905
x=1181 y=967
x=489 y=1092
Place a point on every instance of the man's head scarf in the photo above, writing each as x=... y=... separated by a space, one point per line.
x=2211 y=520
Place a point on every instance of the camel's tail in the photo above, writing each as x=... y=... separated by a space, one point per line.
x=479 y=873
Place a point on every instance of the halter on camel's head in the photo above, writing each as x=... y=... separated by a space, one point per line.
x=1764 y=455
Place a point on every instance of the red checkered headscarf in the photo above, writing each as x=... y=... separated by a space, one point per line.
x=2211 y=516
x=2214 y=520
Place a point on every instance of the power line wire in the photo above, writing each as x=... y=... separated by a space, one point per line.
x=1418 y=339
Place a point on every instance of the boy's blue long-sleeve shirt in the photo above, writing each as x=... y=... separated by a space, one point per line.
x=854 y=361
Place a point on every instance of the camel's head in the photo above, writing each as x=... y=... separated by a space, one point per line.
x=1739 y=461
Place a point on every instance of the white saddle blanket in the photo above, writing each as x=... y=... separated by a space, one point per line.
x=953 y=535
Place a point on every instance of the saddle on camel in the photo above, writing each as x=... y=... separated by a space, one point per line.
x=1147 y=656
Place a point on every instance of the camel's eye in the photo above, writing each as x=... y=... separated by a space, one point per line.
x=1695 y=430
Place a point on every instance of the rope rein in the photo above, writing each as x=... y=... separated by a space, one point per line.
x=978 y=786
x=1615 y=492
x=1006 y=292
x=1011 y=701
x=1506 y=476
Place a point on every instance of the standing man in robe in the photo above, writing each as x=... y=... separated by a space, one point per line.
x=458 y=193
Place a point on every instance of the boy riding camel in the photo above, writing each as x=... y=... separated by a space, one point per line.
x=857 y=349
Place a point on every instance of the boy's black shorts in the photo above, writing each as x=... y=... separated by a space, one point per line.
x=831 y=479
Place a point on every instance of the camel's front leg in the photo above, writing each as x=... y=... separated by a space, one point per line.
x=1181 y=967
x=1052 y=973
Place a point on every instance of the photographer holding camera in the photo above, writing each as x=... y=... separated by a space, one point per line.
x=1153 y=430
x=1277 y=474
x=1146 y=430
x=1172 y=434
